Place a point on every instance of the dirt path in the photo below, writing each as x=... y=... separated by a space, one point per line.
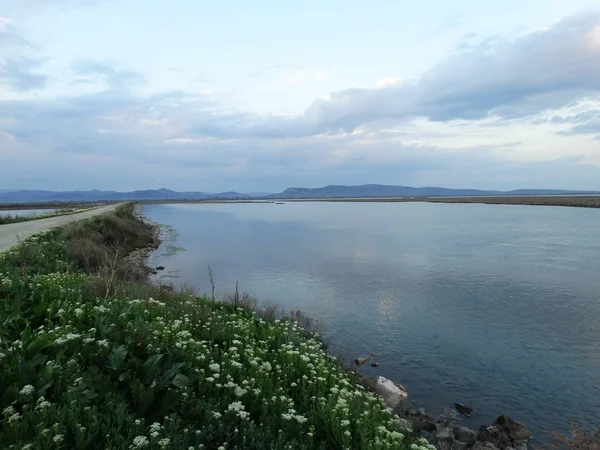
x=11 y=233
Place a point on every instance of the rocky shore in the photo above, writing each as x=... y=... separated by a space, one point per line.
x=502 y=434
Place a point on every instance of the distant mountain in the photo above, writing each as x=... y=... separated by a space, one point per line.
x=378 y=190
x=364 y=191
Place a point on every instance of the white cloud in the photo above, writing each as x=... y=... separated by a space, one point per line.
x=385 y=82
x=306 y=75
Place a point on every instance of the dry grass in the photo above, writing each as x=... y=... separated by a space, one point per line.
x=578 y=440
x=102 y=244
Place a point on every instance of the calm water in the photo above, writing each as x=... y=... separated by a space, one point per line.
x=24 y=212
x=496 y=306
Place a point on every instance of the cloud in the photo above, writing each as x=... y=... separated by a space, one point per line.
x=18 y=74
x=352 y=136
x=546 y=69
x=18 y=70
x=306 y=75
x=108 y=72
x=386 y=82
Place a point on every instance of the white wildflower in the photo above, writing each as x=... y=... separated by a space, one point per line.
x=140 y=441
x=27 y=389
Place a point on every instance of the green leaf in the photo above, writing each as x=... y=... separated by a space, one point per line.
x=89 y=394
x=42 y=391
x=26 y=334
x=150 y=366
x=38 y=360
x=173 y=370
x=181 y=381
x=46 y=372
x=11 y=394
x=39 y=344
x=116 y=357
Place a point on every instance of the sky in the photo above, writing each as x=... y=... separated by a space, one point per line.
x=259 y=95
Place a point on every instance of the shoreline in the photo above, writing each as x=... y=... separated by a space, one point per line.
x=580 y=201
x=444 y=430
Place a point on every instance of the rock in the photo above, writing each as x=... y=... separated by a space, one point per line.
x=484 y=446
x=457 y=445
x=160 y=267
x=153 y=272
x=361 y=361
x=427 y=435
x=421 y=411
x=495 y=436
x=443 y=445
x=444 y=432
x=368 y=383
x=514 y=430
x=520 y=445
x=464 y=409
x=449 y=414
x=375 y=364
x=393 y=394
x=166 y=287
x=404 y=424
x=465 y=434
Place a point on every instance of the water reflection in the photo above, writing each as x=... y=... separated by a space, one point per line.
x=496 y=306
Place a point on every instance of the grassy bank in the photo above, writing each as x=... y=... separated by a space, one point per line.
x=93 y=357
x=16 y=218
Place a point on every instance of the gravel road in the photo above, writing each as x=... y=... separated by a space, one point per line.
x=11 y=233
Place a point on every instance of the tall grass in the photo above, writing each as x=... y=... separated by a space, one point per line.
x=10 y=218
x=136 y=366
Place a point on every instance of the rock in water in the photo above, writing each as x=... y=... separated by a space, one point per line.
x=393 y=393
x=375 y=364
x=514 y=430
x=361 y=361
x=449 y=414
x=160 y=268
x=464 y=409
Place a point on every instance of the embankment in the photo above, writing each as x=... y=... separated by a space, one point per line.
x=94 y=356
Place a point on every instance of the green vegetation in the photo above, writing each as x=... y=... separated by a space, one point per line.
x=92 y=357
x=61 y=212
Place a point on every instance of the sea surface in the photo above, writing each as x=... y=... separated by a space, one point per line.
x=496 y=306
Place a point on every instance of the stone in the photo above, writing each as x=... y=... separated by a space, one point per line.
x=375 y=364
x=465 y=434
x=443 y=445
x=495 y=436
x=160 y=267
x=457 y=445
x=514 y=430
x=444 y=432
x=449 y=414
x=464 y=409
x=520 y=445
x=404 y=424
x=426 y=434
x=361 y=361
x=368 y=383
x=484 y=446
x=393 y=394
